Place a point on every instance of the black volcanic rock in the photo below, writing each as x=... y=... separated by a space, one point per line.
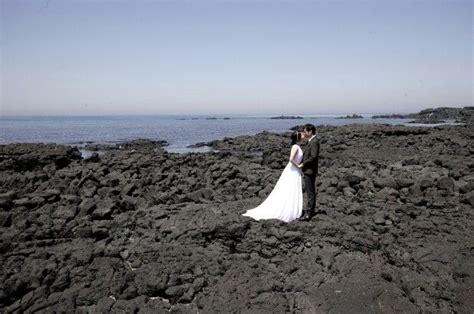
x=436 y=115
x=428 y=121
x=139 y=229
x=32 y=156
x=93 y=158
x=198 y=145
x=135 y=145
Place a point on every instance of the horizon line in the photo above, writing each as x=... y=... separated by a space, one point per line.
x=204 y=114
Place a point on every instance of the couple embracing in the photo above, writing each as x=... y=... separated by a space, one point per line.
x=285 y=202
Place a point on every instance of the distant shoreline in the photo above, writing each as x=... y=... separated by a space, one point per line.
x=179 y=133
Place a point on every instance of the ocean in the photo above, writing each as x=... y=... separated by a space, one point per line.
x=178 y=131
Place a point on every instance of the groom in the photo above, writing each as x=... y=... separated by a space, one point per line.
x=310 y=169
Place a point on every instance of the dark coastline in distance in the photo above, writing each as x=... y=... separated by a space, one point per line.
x=436 y=115
x=286 y=118
x=427 y=116
x=353 y=116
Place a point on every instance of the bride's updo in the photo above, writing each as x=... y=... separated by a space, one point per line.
x=295 y=138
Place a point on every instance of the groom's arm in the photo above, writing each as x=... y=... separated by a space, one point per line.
x=313 y=153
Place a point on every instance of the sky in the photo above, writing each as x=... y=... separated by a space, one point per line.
x=86 y=57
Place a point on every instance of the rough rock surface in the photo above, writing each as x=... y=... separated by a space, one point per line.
x=143 y=230
x=437 y=115
x=138 y=144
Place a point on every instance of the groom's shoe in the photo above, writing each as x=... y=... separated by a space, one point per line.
x=303 y=215
x=307 y=216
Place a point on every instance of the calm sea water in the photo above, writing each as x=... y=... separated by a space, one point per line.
x=179 y=131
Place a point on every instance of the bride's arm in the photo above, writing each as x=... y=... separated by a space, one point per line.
x=292 y=155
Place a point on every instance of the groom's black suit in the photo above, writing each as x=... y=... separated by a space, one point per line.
x=310 y=171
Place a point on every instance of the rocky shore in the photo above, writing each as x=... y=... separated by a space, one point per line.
x=138 y=229
x=436 y=115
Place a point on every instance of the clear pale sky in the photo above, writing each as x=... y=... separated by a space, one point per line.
x=243 y=57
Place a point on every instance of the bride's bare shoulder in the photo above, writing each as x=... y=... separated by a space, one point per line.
x=295 y=147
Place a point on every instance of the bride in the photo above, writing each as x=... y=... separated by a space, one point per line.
x=285 y=202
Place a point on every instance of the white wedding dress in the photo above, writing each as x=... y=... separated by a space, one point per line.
x=285 y=202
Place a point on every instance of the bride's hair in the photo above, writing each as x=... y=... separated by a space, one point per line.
x=295 y=137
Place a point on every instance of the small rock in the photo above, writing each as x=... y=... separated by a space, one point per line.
x=6 y=204
x=446 y=183
x=466 y=187
x=87 y=206
x=102 y=212
x=65 y=212
x=124 y=254
x=178 y=290
x=353 y=179
x=342 y=184
x=36 y=201
x=349 y=191
x=469 y=198
x=93 y=158
x=387 y=276
x=386 y=182
x=379 y=218
x=426 y=183
x=387 y=193
x=404 y=183
x=5 y=219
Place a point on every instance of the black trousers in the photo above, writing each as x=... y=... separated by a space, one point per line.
x=310 y=189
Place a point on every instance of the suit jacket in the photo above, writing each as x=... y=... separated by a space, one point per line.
x=311 y=157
